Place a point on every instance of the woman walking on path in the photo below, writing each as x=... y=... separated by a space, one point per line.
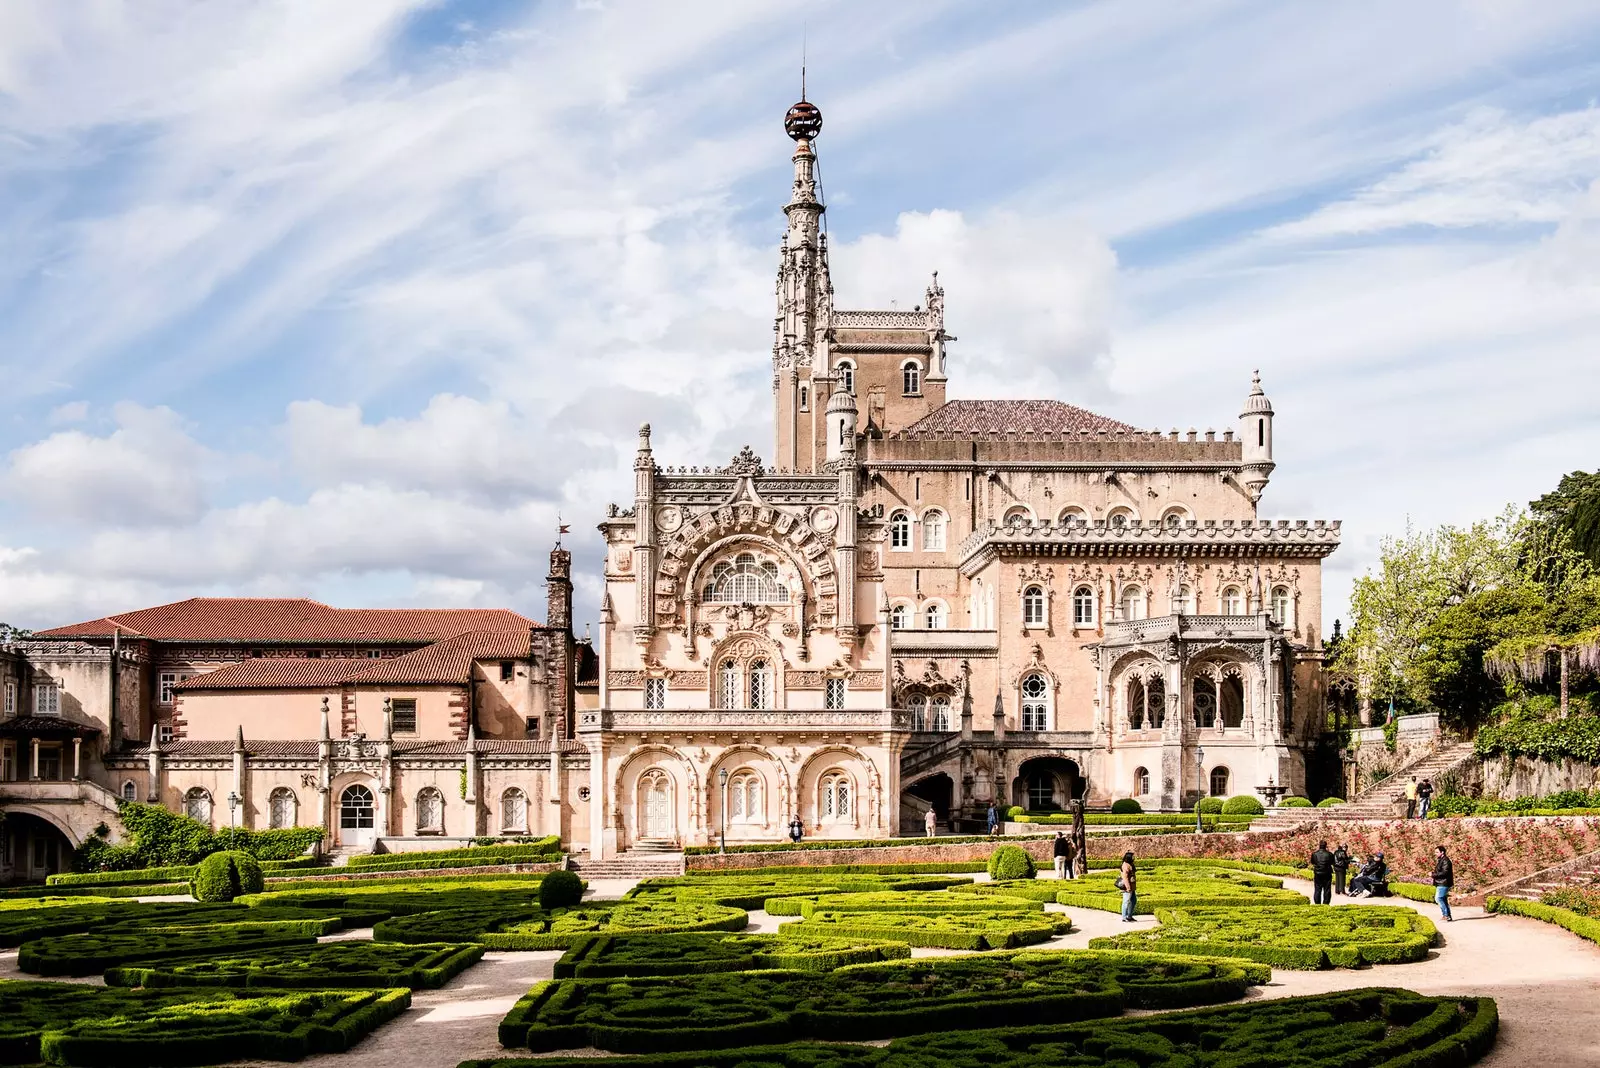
x=1128 y=882
x=1444 y=877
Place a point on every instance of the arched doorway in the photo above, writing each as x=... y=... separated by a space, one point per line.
x=937 y=790
x=1046 y=784
x=655 y=806
x=357 y=816
x=32 y=848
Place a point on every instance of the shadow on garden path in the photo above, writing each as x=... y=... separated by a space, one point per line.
x=9 y=970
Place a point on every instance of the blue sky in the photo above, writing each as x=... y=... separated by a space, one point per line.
x=349 y=300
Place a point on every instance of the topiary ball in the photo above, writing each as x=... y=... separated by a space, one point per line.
x=1329 y=802
x=224 y=876
x=1295 y=802
x=1126 y=806
x=1011 y=862
x=560 y=890
x=1242 y=805
x=1014 y=811
x=1209 y=806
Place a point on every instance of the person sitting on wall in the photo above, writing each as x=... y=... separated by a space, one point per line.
x=1373 y=880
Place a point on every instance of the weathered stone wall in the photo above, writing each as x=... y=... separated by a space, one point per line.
x=1508 y=777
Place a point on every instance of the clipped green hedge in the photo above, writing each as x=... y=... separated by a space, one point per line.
x=931 y=903
x=1344 y=936
x=607 y=956
x=1329 y=802
x=401 y=896
x=752 y=892
x=19 y=925
x=226 y=875
x=1209 y=806
x=173 y=874
x=1126 y=806
x=859 y=1003
x=324 y=965
x=1242 y=805
x=931 y=867
x=88 y=952
x=1179 y=820
x=1156 y=894
x=538 y=846
x=1294 y=801
x=1585 y=927
x=829 y=843
x=1011 y=862
x=560 y=890
x=1372 y=1028
x=534 y=928
x=162 y=838
x=100 y=1027
x=966 y=930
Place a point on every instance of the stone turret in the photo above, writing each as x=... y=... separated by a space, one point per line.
x=1255 y=432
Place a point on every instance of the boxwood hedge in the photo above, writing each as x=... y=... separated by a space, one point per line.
x=1373 y=1028
x=609 y=956
x=1157 y=893
x=860 y=1002
x=533 y=928
x=22 y=925
x=88 y=952
x=918 y=902
x=403 y=896
x=754 y=891
x=1345 y=936
x=170 y=874
x=319 y=966
x=100 y=1027
x=972 y=930
x=491 y=854
x=1587 y=927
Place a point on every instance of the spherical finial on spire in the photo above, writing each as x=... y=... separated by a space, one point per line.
x=804 y=121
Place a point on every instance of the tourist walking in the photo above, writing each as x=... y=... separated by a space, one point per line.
x=1411 y=798
x=1444 y=877
x=1322 y=875
x=994 y=820
x=1424 y=798
x=1065 y=868
x=1341 y=868
x=931 y=822
x=1128 y=883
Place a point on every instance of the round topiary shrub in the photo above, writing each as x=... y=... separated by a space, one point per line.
x=1329 y=802
x=224 y=876
x=1210 y=806
x=1293 y=801
x=560 y=890
x=1014 y=811
x=1010 y=862
x=1126 y=806
x=1242 y=805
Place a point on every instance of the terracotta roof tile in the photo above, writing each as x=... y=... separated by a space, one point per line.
x=443 y=663
x=277 y=673
x=298 y=619
x=224 y=747
x=980 y=417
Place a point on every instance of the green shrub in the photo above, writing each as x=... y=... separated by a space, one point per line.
x=400 y=897
x=533 y=928
x=224 y=876
x=24 y=925
x=964 y=930
x=1126 y=806
x=317 y=966
x=1157 y=893
x=1530 y=727
x=1329 y=802
x=98 y=1027
x=606 y=956
x=535 y=851
x=1209 y=806
x=164 y=839
x=560 y=890
x=923 y=903
x=811 y=844
x=1242 y=805
x=1011 y=862
x=1294 y=801
x=756 y=891
x=97 y=854
x=89 y=952
x=1345 y=936
x=1583 y=925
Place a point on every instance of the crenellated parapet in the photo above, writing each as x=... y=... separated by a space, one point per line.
x=1301 y=538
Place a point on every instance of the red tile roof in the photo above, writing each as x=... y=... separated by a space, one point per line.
x=277 y=673
x=443 y=663
x=295 y=619
x=1005 y=416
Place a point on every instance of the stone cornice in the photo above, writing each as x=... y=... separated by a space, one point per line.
x=1281 y=538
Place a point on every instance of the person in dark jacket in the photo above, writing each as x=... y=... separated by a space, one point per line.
x=1424 y=798
x=1374 y=873
x=1063 y=856
x=1322 y=875
x=1341 y=868
x=797 y=830
x=1444 y=877
x=994 y=820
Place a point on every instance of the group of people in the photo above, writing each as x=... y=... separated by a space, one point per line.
x=1330 y=868
x=1419 y=796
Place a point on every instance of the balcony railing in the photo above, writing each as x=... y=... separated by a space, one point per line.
x=1159 y=628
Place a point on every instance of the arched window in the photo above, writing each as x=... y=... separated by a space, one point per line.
x=805 y=399
x=980 y=606
x=911 y=378
x=846 y=373
x=760 y=684
x=1155 y=702
x=917 y=705
x=900 y=531
x=1035 y=702
x=899 y=617
x=1173 y=518
x=744 y=798
x=1230 y=701
x=1083 y=607
x=356 y=808
x=1033 y=606
x=1017 y=517
x=939 y=712
x=1072 y=514
x=1141 y=782
x=1132 y=602
x=837 y=798
x=514 y=811
x=1186 y=603
x=933 y=531
x=1119 y=518
x=130 y=792
x=1135 y=704
x=197 y=805
x=1282 y=607
x=728 y=684
x=934 y=616
x=430 y=811
x=746 y=578
x=1205 y=701
x=282 y=808
x=1232 y=601
x=655 y=805
x=1219 y=782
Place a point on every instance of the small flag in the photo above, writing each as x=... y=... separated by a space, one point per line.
x=563 y=529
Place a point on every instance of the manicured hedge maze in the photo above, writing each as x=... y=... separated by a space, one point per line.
x=921 y=903
x=89 y=952
x=99 y=1027
x=608 y=956
x=862 y=1002
x=753 y=891
x=1156 y=894
x=22 y=925
x=532 y=928
x=1369 y=1028
x=402 y=896
x=328 y=965
x=1346 y=936
x=970 y=930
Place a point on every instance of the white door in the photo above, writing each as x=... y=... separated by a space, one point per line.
x=657 y=807
x=356 y=817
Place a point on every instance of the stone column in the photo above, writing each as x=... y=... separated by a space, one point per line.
x=34 y=742
x=153 y=794
x=77 y=759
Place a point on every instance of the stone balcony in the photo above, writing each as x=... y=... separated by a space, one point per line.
x=1255 y=627
x=1192 y=539
x=946 y=642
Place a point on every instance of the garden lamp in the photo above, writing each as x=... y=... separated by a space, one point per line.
x=722 y=844
x=1200 y=761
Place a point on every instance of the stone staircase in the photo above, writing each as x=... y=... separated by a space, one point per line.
x=1386 y=800
x=646 y=860
x=1579 y=873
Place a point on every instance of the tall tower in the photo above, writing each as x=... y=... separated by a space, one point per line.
x=1255 y=432
x=804 y=297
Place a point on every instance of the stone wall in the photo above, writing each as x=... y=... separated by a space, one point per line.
x=1508 y=777
x=1416 y=737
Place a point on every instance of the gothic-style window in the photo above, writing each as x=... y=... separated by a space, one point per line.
x=1230 y=696
x=197 y=805
x=1035 y=702
x=1141 y=782
x=918 y=705
x=934 y=616
x=130 y=792
x=1033 y=606
x=746 y=578
x=900 y=531
x=939 y=712
x=1155 y=702
x=847 y=376
x=744 y=798
x=728 y=685
x=282 y=808
x=933 y=531
x=1132 y=602
x=1205 y=702
x=1135 y=704
x=911 y=378
x=833 y=695
x=1219 y=782
x=430 y=811
x=514 y=811
x=655 y=692
x=47 y=699
x=899 y=617
x=836 y=798
x=1186 y=603
x=1083 y=606
x=1232 y=601
x=760 y=684
x=805 y=399
x=1281 y=611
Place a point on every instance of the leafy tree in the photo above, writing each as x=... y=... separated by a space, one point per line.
x=8 y=633
x=1574 y=507
x=1569 y=636
x=1449 y=671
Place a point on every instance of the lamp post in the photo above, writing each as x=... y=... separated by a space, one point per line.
x=722 y=844
x=233 y=818
x=1200 y=761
